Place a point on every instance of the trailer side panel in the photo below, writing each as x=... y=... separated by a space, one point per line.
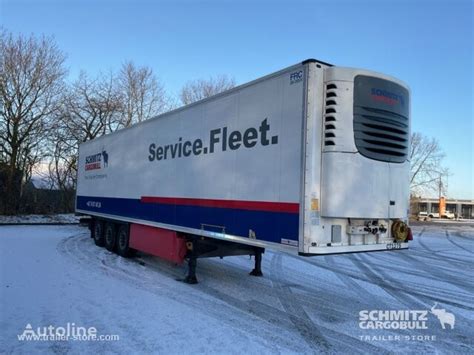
x=229 y=166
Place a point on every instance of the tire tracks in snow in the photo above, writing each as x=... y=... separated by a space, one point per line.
x=402 y=291
x=365 y=278
x=382 y=280
x=346 y=280
x=445 y=260
x=403 y=296
x=300 y=319
x=142 y=280
x=310 y=331
x=422 y=289
x=450 y=239
x=222 y=304
x=281 y=329
x=443 y=257
x=293 y=317
x=464 y=237
x=437 y=273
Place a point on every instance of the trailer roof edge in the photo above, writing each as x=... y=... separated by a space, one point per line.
x=312 y=60
x=207 y=99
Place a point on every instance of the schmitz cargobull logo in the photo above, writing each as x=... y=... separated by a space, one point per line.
x=97 y=161
x=404 y=319
x=387 y=97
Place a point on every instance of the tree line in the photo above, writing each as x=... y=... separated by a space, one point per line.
x=44 y=117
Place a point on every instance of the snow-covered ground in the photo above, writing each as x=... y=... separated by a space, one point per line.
x=54 y=275
x=67 y=218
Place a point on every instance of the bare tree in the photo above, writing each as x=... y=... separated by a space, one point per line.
x=31 y=82
x=141 y=93
x=200 y=89
x=94 y=107
x=426 y=164
x=91 y=108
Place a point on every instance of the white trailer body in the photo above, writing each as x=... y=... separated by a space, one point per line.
x=313 y=157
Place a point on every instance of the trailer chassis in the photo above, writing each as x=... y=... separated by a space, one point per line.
x=197 y=247
x=201 y=247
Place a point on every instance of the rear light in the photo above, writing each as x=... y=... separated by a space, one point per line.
x=410 y=234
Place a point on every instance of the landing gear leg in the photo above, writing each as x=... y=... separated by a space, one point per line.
x=191 y=277
x=257 y=271
x=192 y=262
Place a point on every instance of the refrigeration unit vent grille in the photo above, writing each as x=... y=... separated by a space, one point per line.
x=330 y=110
x=380 y=134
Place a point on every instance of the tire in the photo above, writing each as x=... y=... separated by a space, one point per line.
x=90 y=226
x=110 y=236
x=98 y=233
x=123 y=248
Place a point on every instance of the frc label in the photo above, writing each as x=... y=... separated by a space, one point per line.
x=220 y=139
x=296 y=77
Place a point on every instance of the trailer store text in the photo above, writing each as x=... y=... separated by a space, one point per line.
x=219 y=138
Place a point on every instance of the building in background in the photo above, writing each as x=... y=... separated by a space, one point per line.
x=462 y=208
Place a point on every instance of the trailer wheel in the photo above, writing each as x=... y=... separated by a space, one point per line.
x=123 y=247
x=110 y=237
x=98 y=233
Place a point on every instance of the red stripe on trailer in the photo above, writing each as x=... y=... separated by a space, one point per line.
x=286 y=207
x=157 y=241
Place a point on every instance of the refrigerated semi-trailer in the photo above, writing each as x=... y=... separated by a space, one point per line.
x=312 y=158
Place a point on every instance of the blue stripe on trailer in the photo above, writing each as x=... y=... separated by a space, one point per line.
x=269 y=226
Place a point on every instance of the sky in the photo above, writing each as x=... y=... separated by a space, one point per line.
x=427 y=44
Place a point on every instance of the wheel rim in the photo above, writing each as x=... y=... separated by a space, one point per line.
x=109 y=238
x=122 y=239
x=97 y=231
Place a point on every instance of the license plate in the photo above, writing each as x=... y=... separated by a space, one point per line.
x=392 y=246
